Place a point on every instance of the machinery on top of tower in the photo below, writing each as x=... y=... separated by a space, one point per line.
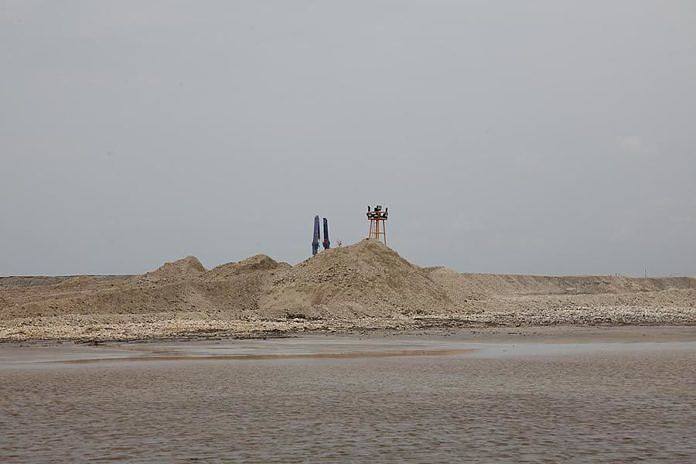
x=378 y=224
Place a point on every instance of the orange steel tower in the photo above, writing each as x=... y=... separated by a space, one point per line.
x=378 y=223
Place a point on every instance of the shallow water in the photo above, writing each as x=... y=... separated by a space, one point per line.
x=272 y=401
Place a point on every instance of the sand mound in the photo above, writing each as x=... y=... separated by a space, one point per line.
x=255 y=263
x=182 y=269
x=366 y=279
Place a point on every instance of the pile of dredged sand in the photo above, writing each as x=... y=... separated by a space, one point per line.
x=367 y=279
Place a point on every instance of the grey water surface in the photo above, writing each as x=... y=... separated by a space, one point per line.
x=350 y=399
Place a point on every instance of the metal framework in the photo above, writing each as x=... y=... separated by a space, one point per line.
x=378 y=223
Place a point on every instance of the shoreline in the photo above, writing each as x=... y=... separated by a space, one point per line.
x=474 y=331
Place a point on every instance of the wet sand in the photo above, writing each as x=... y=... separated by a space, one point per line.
x=511 y=395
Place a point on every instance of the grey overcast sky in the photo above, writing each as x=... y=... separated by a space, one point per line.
x=547 y=137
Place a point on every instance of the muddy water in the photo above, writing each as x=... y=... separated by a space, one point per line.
x=419 y=399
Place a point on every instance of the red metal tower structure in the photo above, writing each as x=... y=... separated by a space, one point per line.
x=378 y=223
